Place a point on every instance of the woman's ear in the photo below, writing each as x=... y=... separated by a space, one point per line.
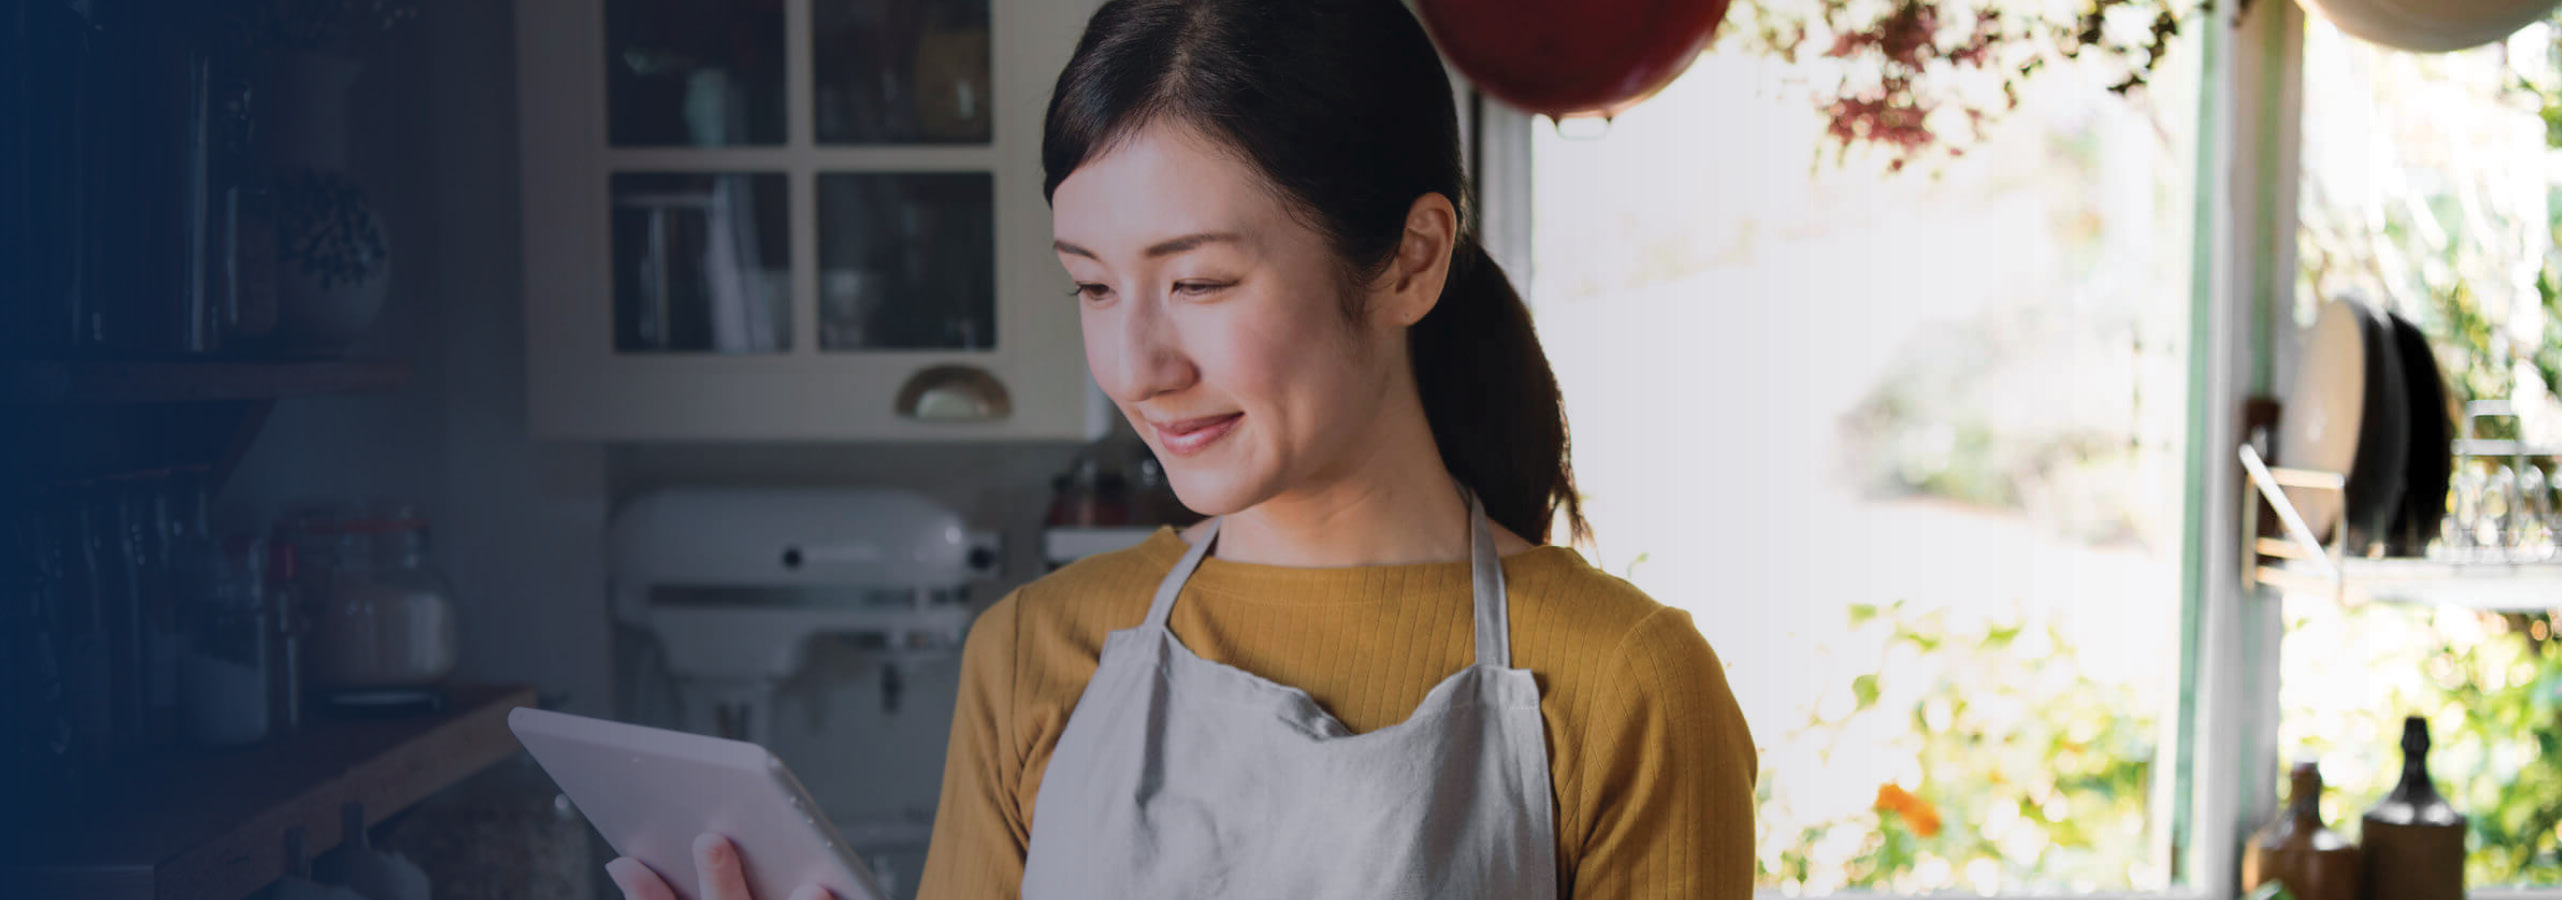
x=1412 y=284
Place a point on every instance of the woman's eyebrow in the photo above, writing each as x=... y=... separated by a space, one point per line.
x=1189 y=241
x=1161 y=248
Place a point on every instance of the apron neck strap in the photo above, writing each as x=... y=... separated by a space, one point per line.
x=1163 y=605
x=1494 y=614
x=1493 y=618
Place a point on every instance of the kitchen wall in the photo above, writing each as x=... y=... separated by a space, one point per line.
x=520 y=524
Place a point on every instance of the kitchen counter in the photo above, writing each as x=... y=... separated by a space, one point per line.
x=211 y=825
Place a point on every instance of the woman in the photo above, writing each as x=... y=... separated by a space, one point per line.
x=1364 y=677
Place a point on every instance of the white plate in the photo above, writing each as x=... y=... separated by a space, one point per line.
x=2325 y=406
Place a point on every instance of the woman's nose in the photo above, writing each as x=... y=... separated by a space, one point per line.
x=1150 y=357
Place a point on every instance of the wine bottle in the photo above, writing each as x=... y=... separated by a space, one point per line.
x=2414 y=839
x=2298 y=851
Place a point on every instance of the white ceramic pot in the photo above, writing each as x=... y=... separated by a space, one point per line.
x=333 y=260
x=2431 y=26
x=319 y=307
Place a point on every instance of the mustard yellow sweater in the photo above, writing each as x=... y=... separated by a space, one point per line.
x=1647 y=751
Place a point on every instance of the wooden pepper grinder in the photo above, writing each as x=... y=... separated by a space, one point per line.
x=2414 y=839
x=2314 y=862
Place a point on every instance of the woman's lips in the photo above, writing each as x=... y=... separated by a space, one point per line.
x=1189 y=436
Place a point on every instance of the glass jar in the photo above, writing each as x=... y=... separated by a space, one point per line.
x=386 y=629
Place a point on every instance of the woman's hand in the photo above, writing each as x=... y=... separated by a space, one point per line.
x=717 y=870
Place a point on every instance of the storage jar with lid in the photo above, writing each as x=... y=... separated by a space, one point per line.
x=384 y=636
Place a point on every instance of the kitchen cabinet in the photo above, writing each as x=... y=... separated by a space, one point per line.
x=795 y=219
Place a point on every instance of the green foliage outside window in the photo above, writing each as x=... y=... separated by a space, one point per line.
x=2019 y=773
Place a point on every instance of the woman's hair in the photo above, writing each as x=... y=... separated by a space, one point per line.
x=1343 y=108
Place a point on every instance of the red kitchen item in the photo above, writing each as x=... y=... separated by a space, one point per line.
x=1562 y=58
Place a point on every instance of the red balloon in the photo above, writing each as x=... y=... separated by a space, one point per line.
x=1572 y=57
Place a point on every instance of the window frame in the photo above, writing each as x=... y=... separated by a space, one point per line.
x=2248 y=162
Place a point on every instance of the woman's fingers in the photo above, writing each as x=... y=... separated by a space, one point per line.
x=637 y=881
x=719 y=875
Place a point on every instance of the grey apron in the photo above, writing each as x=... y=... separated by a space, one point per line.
x=1179 y=777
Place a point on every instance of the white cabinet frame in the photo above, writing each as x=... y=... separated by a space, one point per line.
x=582 y=389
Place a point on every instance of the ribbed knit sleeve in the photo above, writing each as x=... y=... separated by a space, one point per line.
x=979 y=830
x=1668 y=771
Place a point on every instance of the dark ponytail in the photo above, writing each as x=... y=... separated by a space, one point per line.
x=1344 y=108
x=1492 y=399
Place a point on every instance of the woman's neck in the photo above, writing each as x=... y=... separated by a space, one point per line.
x=1420 y=517
x=1390 y=503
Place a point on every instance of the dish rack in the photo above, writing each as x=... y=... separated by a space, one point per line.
x=2499 y=546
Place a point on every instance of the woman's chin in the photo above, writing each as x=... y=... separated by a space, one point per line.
x=1213 y=493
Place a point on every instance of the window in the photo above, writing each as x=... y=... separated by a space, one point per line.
x=1910 y=448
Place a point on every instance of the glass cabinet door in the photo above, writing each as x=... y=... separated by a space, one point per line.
x=900 y=71
x=906 y=260
x=694 y=73
x=702 y=262
x=702 y=259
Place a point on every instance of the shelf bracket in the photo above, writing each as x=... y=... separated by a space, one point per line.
x=2270 y=484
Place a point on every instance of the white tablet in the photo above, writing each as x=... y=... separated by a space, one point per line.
x=650 y=791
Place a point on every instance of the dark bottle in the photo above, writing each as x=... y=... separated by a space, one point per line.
x=151 y=581
x=2414 y=841
x=1089 y=495
x=2297 y=850
x=1152 y=499
x=284 y=646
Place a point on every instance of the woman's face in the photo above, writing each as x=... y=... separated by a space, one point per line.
x=1213 y=319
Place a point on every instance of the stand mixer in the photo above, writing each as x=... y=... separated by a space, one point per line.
x=736 y=583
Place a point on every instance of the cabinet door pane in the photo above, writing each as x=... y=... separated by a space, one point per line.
x=702 y=73
x=906 y=260
x=702 y=263
x=900 y=71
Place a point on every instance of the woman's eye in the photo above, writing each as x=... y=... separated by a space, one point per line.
x=1197 y=288
x=1089 y=291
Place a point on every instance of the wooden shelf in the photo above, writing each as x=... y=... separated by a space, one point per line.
x=40 y=383
x=212 y=826
x=93 y=419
